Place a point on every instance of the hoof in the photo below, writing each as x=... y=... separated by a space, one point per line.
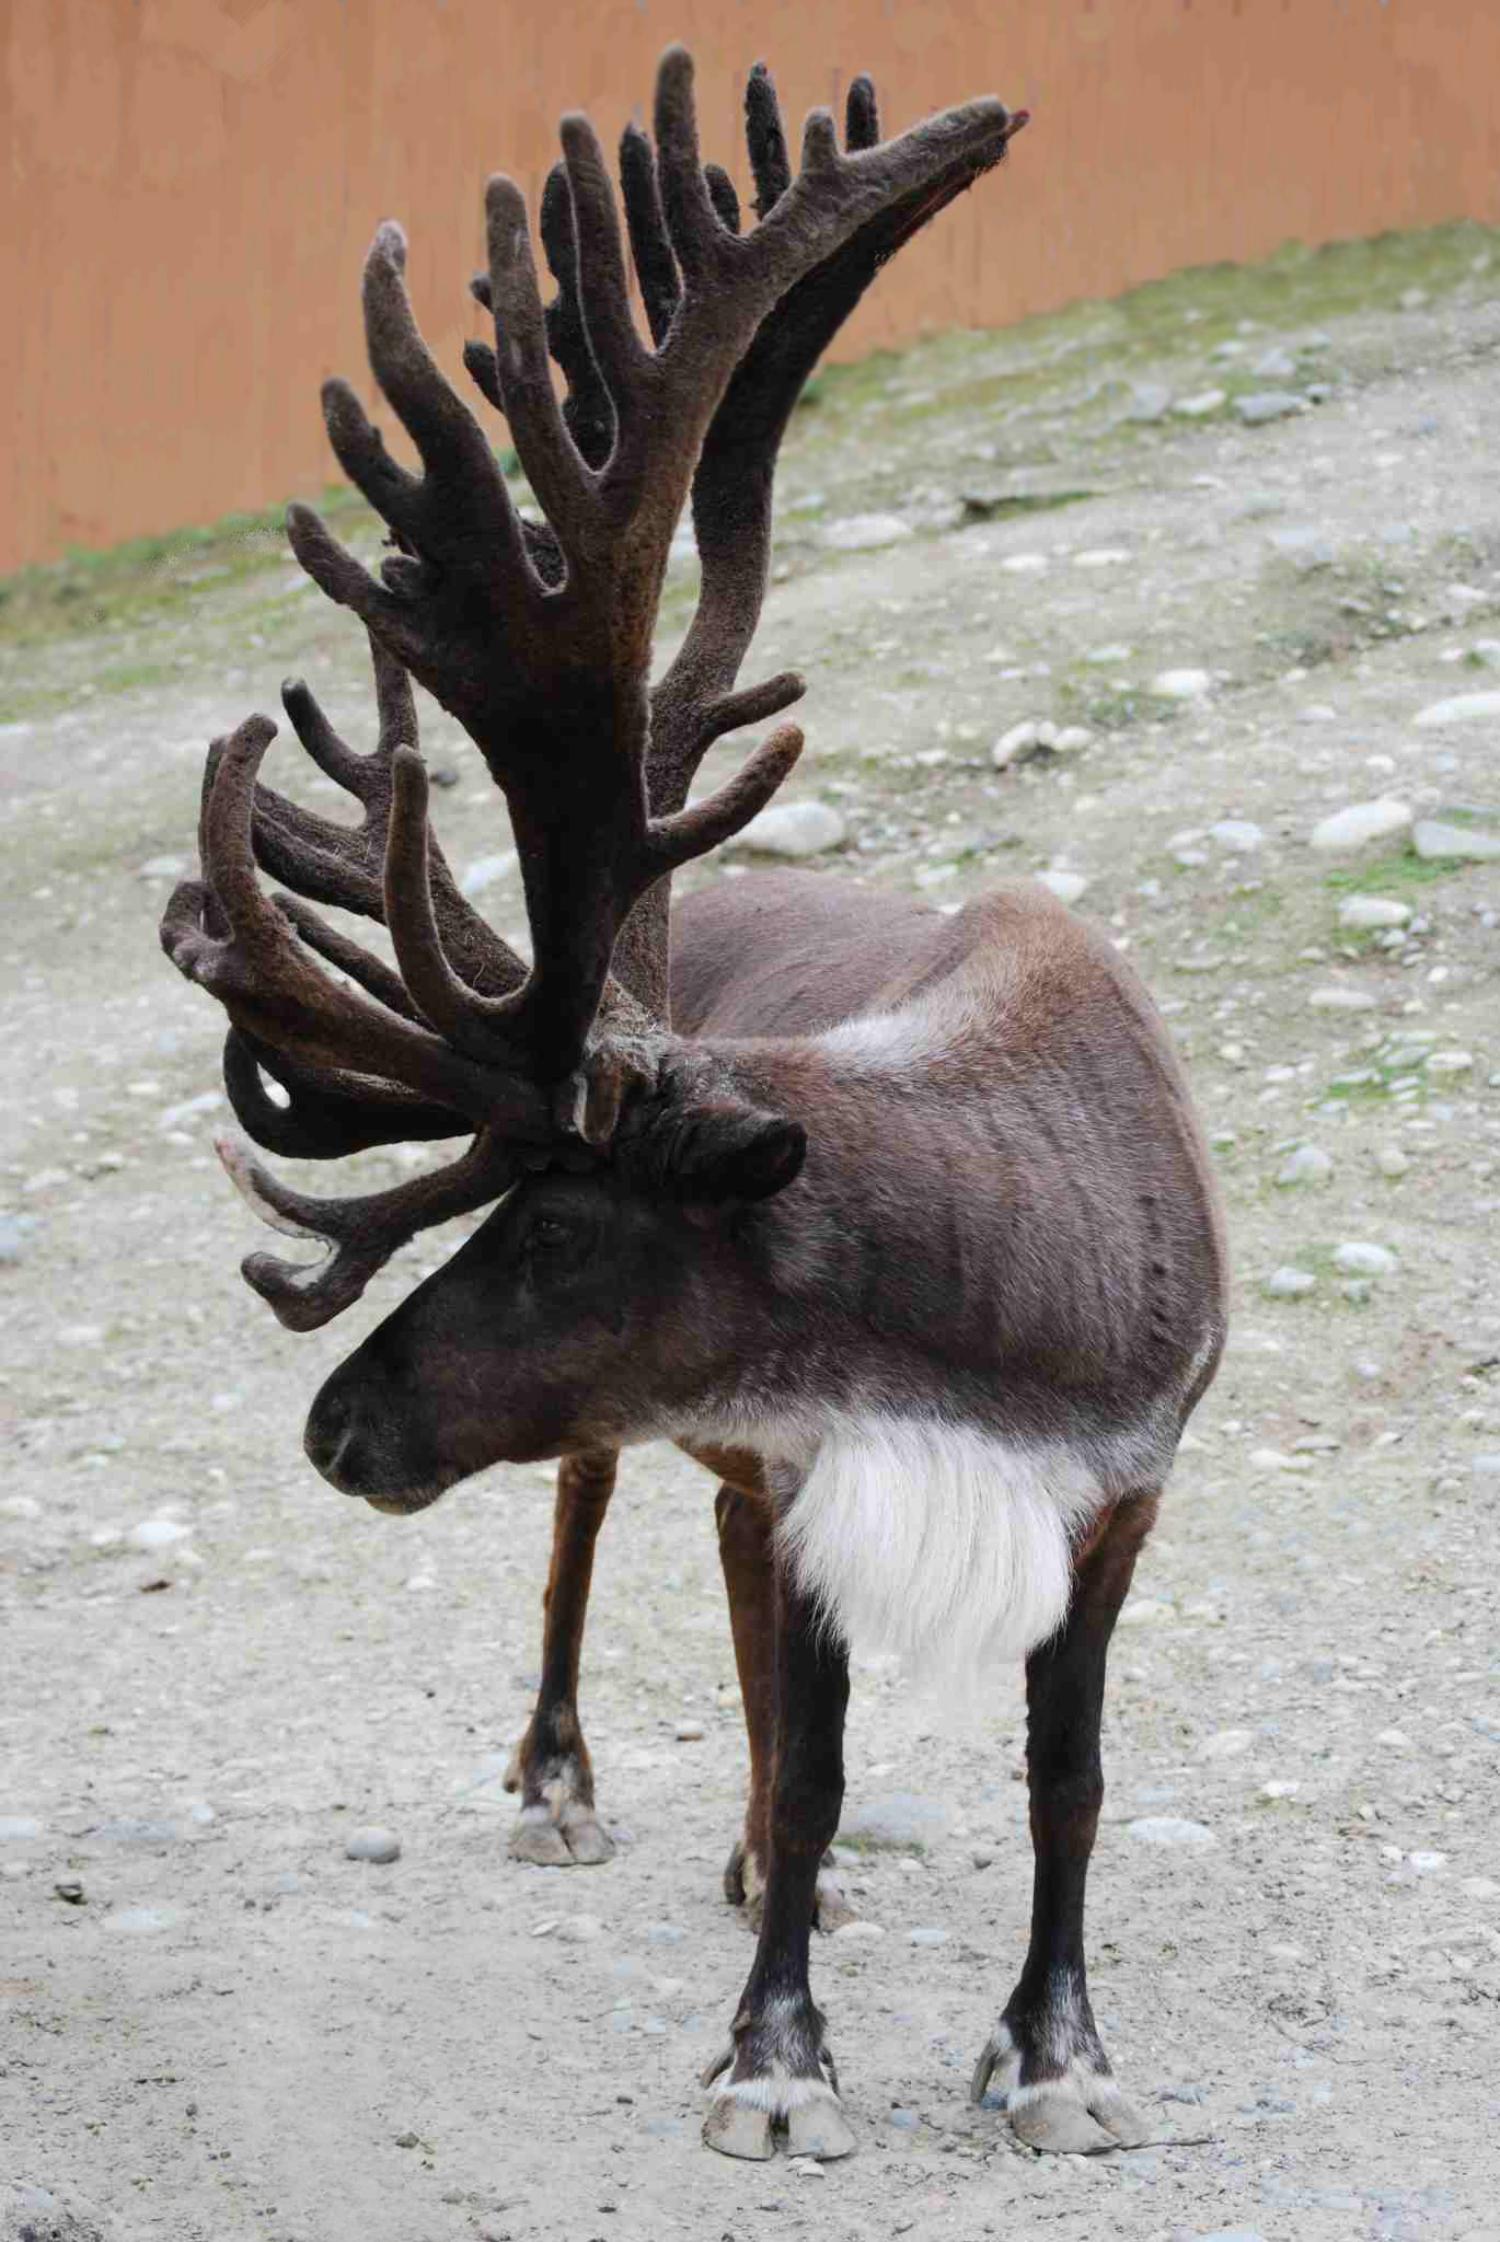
x=1080 y=2113
x=819 y=2128
x=737 y=2129
x=573 y=1838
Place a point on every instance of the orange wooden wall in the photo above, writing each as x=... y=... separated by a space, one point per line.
x=190 y=184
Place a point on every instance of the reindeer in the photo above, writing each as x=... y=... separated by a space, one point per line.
x=898 y=1222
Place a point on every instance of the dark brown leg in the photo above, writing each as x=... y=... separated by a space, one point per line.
x=745 y=1526
x=777 y=2072
x=1053 y=2071
x=746 y=1523
x=557 y=1826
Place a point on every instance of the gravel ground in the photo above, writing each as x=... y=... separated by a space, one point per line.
x=217 y=2025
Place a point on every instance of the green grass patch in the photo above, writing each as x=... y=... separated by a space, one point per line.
x=1404 y=868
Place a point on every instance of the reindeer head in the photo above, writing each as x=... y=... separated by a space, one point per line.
x=624 y=1159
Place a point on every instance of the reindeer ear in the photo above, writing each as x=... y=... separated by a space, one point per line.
x=717 y=1153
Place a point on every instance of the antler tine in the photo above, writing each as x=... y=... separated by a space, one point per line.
x=362 y=1232
x=326 y=1115
x=694 y=703
x=344 y=866
x=272 y=989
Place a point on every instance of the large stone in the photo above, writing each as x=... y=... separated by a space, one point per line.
x=1363 y=913
x=900 y=1819
x=1181 y=684
x=1362 y=822
x=1436 y=837
x=794 y=829
x=1268 y=404
x=1459 y=708
x=864 y=533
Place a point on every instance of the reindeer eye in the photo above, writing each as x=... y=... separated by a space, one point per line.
x=549 y=1232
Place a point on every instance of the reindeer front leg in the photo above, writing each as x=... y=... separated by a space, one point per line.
x=1059 y=2091
x=777 y=2073
x=557 y=1826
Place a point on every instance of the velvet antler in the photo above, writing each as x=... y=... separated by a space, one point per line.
x=537 y=637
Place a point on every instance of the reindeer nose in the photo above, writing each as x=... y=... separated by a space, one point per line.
x=330 y=1435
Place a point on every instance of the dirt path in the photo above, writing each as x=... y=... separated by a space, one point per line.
x=239 y=2032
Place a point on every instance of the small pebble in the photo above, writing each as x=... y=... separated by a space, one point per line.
x=1363 y=913
x=794 y=829
x=380 y=1846
x=927 y=1935
x=689 y=1732
x=579 y=1930
x=860 y=1933
x=1288 y=1283
x=1309 y=1164
x=17 y=1828
x=1181 y=684
x=1470 y=844
x=1360 y=822
x=1358 y=1259
x=158 y=1533
x=1170 y=1829
x=865 y=533
x=1392 y=1161
x=1339 y=996
x=1266 y=405
x=1238 y=835
x=1068 y=887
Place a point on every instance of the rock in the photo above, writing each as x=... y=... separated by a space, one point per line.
x=1307 y=549
x=17 y=1829
x=1308 y=1164
x=1275 y=365
x=14 y=1232
x=1392 y=1161
x=1358 y=1259
x=579 y=1930
x=1170 y=1829
x=665 y=1934
x=1066 y=886
x=794 y=829
x=900 y=1819
x=379 y=1846
x=1459 y=708
x=1200 y=405
x=1486 y=1466
x=689 y=1732
x=70 y=1891
x=487 y=872
x=140 y=1922
x=1025 y=564
x=1021 y=741
x=861 y=1932
x=1341 y=997
x=927 y=1934
x=1149 y=402
x=1071 y=739
x=1238 y=835
x=1360 y=823
x=1181 y=684
x=1263 y=405
x=1435 y=836
x=1277 y=1459
x=163 y=868
x=1288 y=1283
x=33 y=2214
x=1226 y=1743
x=904 y=2120
x=865 y=533
x=1103 y=556
x=158 y=1533
x=1450 y=1062
x=1363 y=913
